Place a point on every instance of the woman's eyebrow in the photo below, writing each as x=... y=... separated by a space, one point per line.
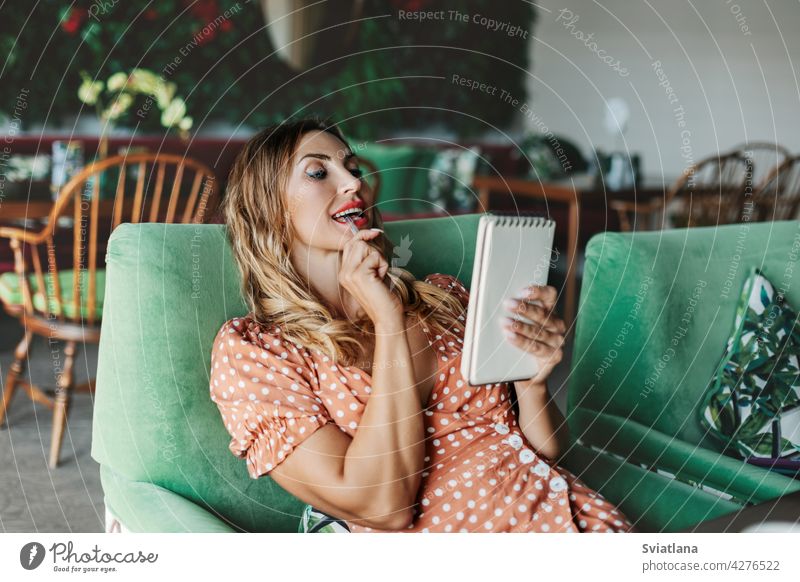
x=326 y=157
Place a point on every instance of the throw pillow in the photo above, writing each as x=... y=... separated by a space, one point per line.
x=450 y=180
x=751 y=403
x=315 y=521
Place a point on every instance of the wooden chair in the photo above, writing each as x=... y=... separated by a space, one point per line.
x=765 y=157
x=66 y=305
x=713 y=191
x=778 y=197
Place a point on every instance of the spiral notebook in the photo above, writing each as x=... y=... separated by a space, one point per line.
x=512 y=251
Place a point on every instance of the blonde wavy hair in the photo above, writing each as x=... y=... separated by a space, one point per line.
x=261 y=234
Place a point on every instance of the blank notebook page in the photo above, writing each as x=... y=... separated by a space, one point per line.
x=511 y=253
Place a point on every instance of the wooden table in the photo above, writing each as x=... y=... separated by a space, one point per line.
x=17 y=209
x=577 y=194
x=40 y=209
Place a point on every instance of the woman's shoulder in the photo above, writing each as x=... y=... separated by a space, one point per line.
x=446 y=281
x=247 y=331
x=245 y=345
x=451 y=284
x=242 y=326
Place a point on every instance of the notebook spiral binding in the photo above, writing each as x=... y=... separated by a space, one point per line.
x=519 y=219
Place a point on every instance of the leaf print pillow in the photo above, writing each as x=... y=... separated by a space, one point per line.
x=752 y=404
x=315 y=521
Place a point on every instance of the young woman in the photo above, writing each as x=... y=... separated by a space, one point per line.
x=343 y=382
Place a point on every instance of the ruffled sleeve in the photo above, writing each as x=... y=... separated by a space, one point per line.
x=262 y=387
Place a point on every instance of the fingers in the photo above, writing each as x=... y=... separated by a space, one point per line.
x=534 y=332
x=538 y=314
x=358 y=255
x=357 y=248
x=544 y=337
x=546 y=294
x=536 y=347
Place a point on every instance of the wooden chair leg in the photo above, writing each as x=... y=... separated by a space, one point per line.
x=14 y=372
x=87 y=386
x=65 y=381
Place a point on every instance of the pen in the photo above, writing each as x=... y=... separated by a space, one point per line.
x=351 y=222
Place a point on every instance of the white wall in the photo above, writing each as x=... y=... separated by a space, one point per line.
x=733 y=83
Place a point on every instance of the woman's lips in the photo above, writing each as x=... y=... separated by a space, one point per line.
x=348 y=205
x=360 y=222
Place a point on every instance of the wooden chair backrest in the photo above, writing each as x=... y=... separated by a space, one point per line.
x=765 y=157
x=147 y=187
x=778 y=197
x=713 y=191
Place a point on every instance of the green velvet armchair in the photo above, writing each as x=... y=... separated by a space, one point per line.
x=656 y=310
x=163 y=450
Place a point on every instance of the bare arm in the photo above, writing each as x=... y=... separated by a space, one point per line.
x=541 y=421
x=373 y=478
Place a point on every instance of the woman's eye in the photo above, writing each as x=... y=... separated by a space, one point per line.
x=357 y=172
x=317 y=175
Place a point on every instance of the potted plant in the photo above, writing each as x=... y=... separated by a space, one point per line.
x=114 y=98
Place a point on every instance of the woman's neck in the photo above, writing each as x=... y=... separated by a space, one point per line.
x=320 y=269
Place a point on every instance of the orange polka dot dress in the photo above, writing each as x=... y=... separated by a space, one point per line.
x=480 y=474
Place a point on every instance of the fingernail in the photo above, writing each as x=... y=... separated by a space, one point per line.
x=510 y=303
x=508 y=333
x=377 y=229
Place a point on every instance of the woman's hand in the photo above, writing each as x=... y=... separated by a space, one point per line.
x=361 y=275
x=545 y=336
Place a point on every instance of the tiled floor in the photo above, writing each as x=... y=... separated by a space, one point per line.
x=34 y=498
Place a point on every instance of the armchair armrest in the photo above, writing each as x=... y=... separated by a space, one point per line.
x=147 y=508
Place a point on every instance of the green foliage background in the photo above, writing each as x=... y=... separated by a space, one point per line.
x=397 y=75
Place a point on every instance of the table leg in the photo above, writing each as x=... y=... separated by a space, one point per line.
x=572 y=265
x=483 y=200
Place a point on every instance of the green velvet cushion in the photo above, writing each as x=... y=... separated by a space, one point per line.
x=170 y=288
x=654 y=502
x=146 y=508
x=758 y=379
x=706 y=469
x=11 y=292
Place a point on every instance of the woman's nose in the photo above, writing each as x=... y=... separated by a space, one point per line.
x=350 y=184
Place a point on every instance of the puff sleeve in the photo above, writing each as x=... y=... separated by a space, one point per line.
x=261 y=384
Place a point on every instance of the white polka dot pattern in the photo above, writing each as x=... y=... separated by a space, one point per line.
x=481 y=473
x=267 y=407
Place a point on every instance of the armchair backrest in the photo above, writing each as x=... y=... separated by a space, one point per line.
x=169 y=288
